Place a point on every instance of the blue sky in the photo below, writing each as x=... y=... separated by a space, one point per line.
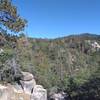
x=58 y=18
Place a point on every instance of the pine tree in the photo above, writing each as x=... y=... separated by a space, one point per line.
x=9 y=17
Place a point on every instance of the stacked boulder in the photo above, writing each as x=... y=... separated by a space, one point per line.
x=27 y=90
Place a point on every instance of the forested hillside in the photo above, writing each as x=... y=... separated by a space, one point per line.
x=68 y=64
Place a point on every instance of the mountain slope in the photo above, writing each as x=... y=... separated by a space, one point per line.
x=55 y=61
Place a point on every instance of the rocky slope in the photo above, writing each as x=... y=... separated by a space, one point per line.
x=26 y=90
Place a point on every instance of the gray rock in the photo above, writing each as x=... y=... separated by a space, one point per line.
x=28 y=85
x=30 y=90
x=28 y=82
x=1 y=50
x=3 y=93
x=27 y=76
x=39 y=93
x=59 y=96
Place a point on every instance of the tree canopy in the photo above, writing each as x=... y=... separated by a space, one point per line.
x=9 y=16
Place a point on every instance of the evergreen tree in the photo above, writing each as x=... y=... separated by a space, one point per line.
x=9 y=16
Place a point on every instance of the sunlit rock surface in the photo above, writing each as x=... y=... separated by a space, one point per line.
x=59 y=96
x=28 y=82
x=28 y=90
x=39 y=93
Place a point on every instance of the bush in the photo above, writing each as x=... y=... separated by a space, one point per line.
x=5 y=56
x=10 y=71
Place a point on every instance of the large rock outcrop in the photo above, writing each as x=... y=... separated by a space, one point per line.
x=28 y=82
x=27 y=90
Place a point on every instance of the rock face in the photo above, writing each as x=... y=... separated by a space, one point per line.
x=3 y=93
x=28 y=82
x=39 y=93
x=1 y=50
x=28 y=90
x=59 y=96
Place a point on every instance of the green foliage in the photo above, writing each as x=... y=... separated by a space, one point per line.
x=57 y=65
x=10 y=71
x=53 y=61
x=5 y=56
x=87 y=91
x=22 y=35
x=9 y=16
